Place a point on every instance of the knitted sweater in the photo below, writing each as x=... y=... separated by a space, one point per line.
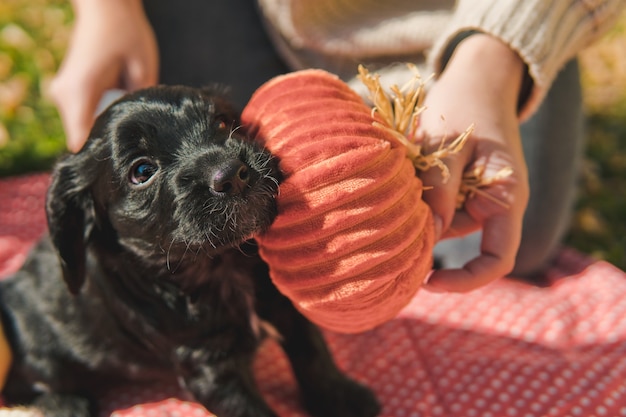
x=338 y=34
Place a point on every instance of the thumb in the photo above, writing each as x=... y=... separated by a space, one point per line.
x=76 y=109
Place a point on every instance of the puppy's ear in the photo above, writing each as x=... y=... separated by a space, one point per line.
x=70 y=213
x=216 y=90
x=220 y=95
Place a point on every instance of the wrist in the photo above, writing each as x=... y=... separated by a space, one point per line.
x=491 y=65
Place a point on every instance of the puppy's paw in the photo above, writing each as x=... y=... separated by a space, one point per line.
x=341 y=397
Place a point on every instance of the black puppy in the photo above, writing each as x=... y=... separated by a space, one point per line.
x=151 y=221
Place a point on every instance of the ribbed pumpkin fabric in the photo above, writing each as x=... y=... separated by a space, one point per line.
x=353 y=239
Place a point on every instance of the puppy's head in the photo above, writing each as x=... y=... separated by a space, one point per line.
x=165 y=171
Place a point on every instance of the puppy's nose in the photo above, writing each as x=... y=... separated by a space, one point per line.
x=231 y=177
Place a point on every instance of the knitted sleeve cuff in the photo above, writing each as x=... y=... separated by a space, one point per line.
x=546 y=34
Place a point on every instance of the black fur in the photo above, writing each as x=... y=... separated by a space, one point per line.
x=151 y=222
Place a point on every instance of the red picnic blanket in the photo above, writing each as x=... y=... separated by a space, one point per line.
x=508 y=349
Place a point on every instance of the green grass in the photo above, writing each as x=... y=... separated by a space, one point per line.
x=34 y=35
x=599 y=227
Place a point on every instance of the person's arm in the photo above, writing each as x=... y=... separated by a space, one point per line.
x=112 y=46
x=545 y=34
x=495 y=61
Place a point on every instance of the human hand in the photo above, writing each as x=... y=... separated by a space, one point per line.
x=112 y=47
x=480 y=85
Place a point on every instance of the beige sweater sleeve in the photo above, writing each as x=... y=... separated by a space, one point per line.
x=338 y=34
x=546 y=34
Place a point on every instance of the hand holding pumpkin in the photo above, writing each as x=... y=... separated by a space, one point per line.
x=486 y=96
x=353 y=239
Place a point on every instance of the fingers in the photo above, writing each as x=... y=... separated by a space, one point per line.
x=499 y=210
x=78 y=88
x=77 y=108
x=112 y=47
x=77 y=121
x=142 y=69
x=462 y=224
x=500 y=240
x=441 y=193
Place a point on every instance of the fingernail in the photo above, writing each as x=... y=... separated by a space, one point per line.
x=438 y=227
x=430 y=274
x=434 y=289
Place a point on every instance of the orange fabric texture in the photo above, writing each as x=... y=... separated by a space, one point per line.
x=353 y=239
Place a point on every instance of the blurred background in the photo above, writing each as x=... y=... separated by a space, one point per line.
x=34 y=33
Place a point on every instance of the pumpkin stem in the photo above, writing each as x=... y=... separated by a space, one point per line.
x=398 y=113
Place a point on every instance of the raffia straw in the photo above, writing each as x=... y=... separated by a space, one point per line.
x=474 y=180
x=399 y=113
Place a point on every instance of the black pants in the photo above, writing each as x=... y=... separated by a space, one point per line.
x=209 y=41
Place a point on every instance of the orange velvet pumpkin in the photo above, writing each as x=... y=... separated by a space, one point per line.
x=353 y=239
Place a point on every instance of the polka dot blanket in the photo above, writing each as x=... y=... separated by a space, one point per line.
x=508 y=349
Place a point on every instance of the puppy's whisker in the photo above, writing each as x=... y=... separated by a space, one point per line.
x=106 y=158
x=182 y=258
x=233 y=130
x=167 y=257
x=269 y=177
x=210 y=231
x=161 y=248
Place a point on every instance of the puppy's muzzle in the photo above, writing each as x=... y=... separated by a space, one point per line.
x=231 y=177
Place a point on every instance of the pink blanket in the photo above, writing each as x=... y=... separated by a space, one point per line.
x=508 y=349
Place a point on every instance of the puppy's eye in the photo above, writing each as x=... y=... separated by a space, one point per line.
x=142 y=171
x=220 y=123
